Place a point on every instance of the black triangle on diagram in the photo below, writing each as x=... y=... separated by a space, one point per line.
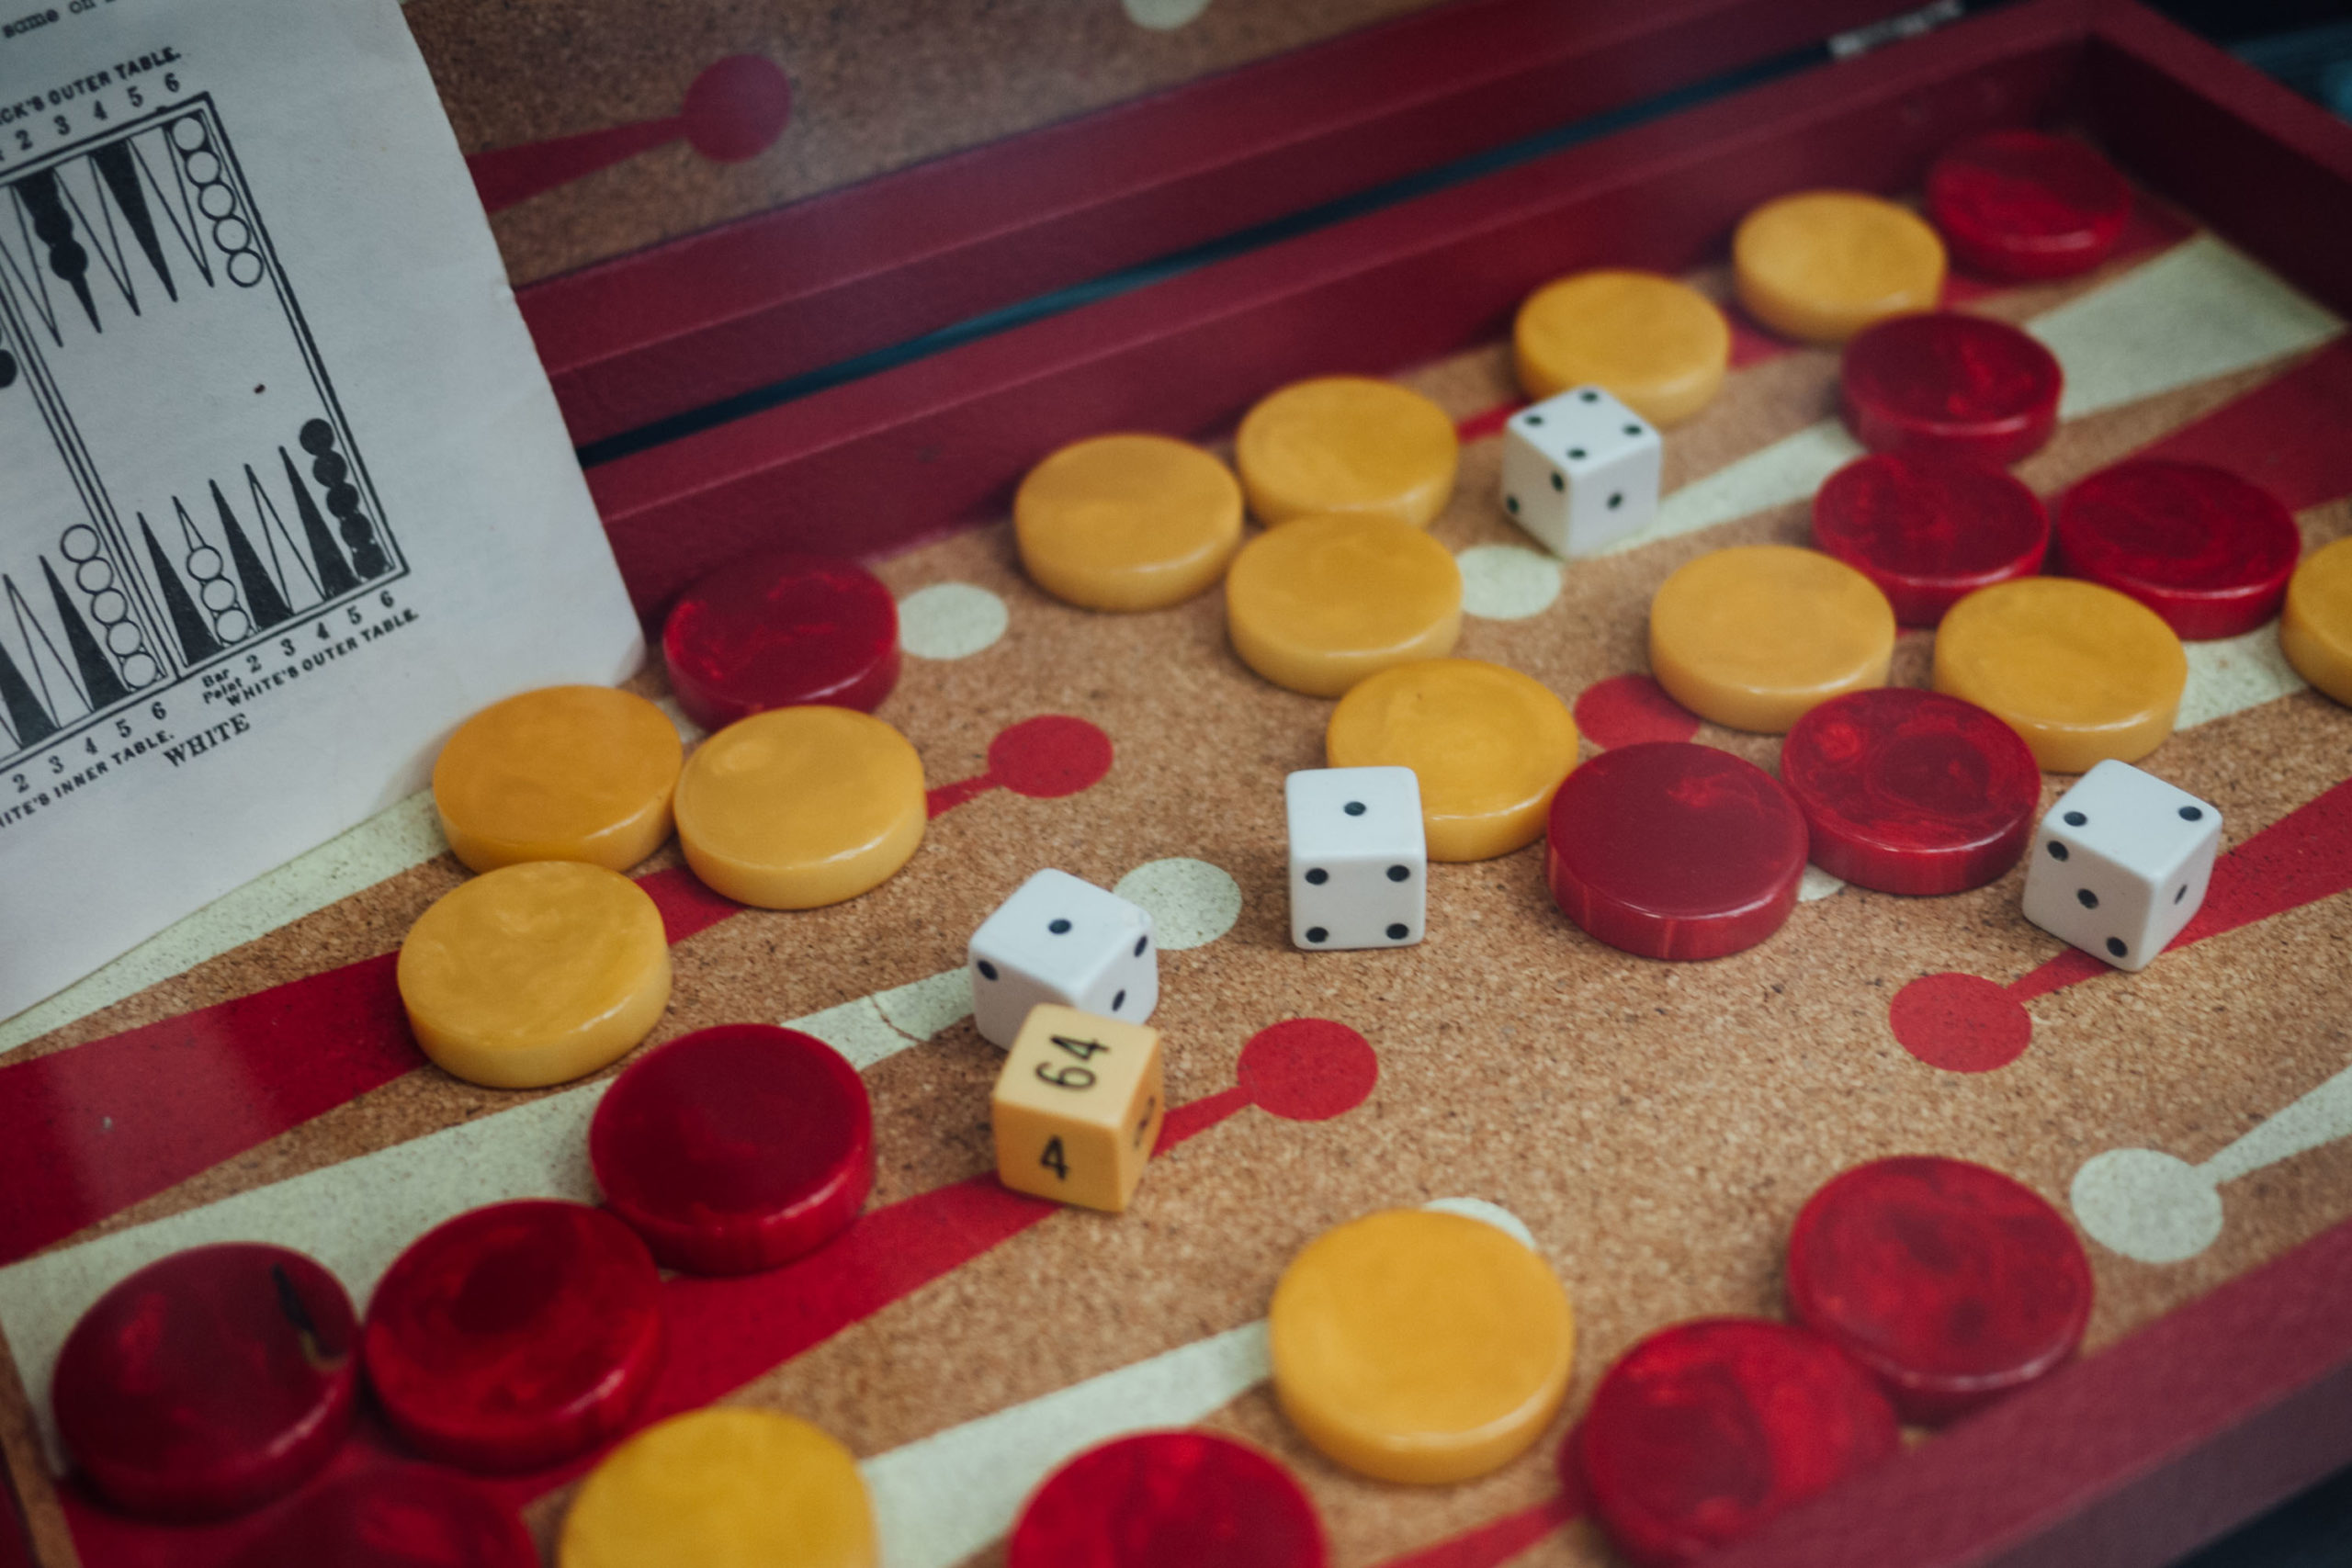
x=25 y=716
x=268 y=605
x=115 y=166
x=68 y=258
x=334 y=575
x=196 y=639
x=100 y=684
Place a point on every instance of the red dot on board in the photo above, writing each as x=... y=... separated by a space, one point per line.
x=409 y=1515
x=1705 y=1430
x=1949 y=1282
x=1049 y=757
x=1626 y=710
x=1950 y=384
x=736 y=1148
x=209 y=1381
x=1911 y=791
x=1929 y=530
x=1308 y=1069
x=2025 y=204
x=515 y=1336
x=736 y=108
x=2200 y=547
x=1168 y=1500
x=777 y=630
x=1675 y=851
x=1963 y=1023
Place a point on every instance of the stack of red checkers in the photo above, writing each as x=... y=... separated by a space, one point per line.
x=515 y=1336
x=778 y=630
x=409 y=1516
x=1168 y=1500
x=2200 y=547
x=1951 y=385
x=2022 y=204
x=1671 y=850
x=1705 y=1431
x=1951 y=1282
x=736 y=1148
x=209 y=1381
x=1929 y=530
x=1911 y=791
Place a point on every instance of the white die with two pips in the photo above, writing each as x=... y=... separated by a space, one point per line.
x=1580 y=470
x=1358 y=861
x=1059 y=939
x=2120 y=865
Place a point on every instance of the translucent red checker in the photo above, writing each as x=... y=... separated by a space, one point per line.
x=209 y=1381
x=1952 y=1283
x=1911 y=791
x=736 y=1148
x=515 y=1336
x=2200 y=547
x=408 y=1516
x=1168 y=1500
x=1707 y=1431
x=778 y=630
x=2024 y=204
x=1672 y=850
x=1929 y=530
x=1953 y=385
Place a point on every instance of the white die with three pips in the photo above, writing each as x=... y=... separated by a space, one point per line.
x=1581 y=472
x=1359 y=859
x=1059 y=939
x=2120 y=865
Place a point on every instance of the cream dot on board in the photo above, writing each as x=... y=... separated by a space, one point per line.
x=1816 y=885
x=949 y=620
x=1494 y=1214
x=2146 y=1205
x=1507 y=582
x=1192 y=902
x=1163 y=16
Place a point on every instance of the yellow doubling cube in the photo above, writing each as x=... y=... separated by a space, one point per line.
x=1078 y=1108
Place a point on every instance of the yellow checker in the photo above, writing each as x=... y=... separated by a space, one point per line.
x=567 y=773
x=2316 y=632
x=1077 y=1110
x=801 y=807
x=1127 y=521
x=1318 y=604
x=1488 y=745
x=1823 y=265
x=1419 y=1346
x=1346 y=445
x=1753 y=637
x=2081 y=671
x=722 y=1488
x=534 y=975
x=1659 y=345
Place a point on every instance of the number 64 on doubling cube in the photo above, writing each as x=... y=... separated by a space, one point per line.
x=1078 y=1107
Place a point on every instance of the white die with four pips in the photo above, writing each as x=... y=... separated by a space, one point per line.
x=1359 y=859
x=1581 y=472
x=1059 y=939
x=2120 y=865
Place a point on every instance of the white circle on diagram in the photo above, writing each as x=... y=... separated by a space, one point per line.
x=1192 y=902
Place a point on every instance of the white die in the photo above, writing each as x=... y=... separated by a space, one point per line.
x=1581 y=472
x=1359 y=862
x=2121 y=863
x=1059 y=939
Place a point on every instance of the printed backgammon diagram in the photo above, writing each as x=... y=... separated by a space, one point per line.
x=182 y=488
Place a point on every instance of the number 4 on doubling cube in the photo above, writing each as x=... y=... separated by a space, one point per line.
x=1078 y=1131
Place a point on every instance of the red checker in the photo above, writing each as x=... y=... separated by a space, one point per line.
x=515 y=1336
x=1671 y=850
x=778 y=630
x=2024 y=204
x=1707 y=1430
x=1951 y=1282
x=1911 y=791
x=210 y=1382
x=736 y=1148
x=1929 y=530
x=1951 y=385
x=2200 y=547
x=1168 y=1500
x=409 y=1515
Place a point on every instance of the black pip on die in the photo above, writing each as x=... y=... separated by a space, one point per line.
x=1357 y=859
x=2120 y=865
x=1581 y=472
x=1059 y=939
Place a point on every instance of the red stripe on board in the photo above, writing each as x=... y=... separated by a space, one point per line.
x=2292 y=435
x=504 y=175
x=1478 y=426
x=1494 y=1544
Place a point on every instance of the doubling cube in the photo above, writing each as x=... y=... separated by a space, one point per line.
x=1059 y=939
x=1359 y=862
x=2120 y=865
x=1078 y=1108
x=1581 y=472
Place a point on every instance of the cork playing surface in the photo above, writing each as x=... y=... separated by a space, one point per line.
x=1655 y=1127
